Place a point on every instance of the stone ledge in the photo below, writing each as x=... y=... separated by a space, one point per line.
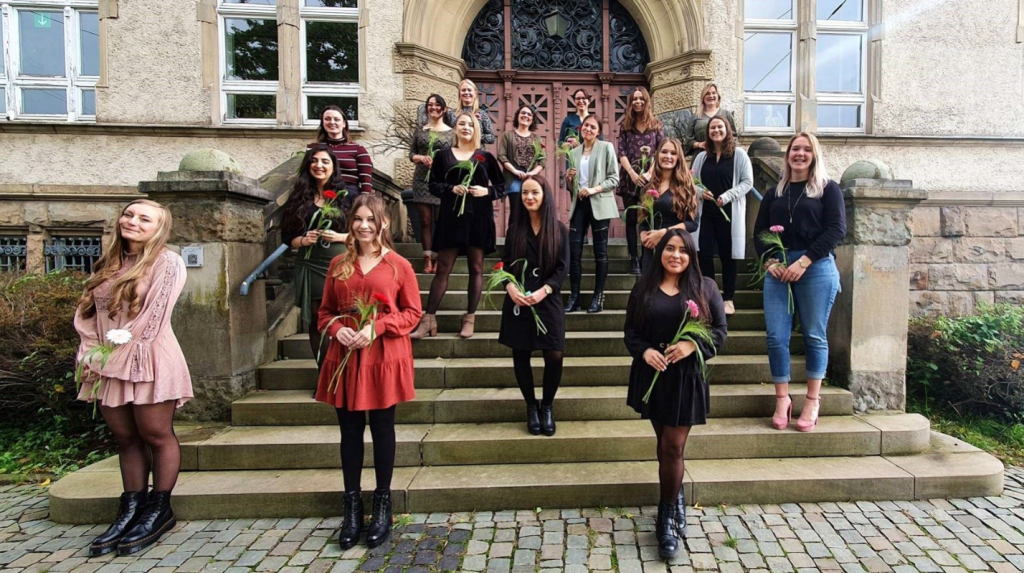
x=974 y=199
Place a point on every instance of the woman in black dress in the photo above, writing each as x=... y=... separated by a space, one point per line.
x=676 y=205
x=543 y=242
x=465 y=220
x=680 y=399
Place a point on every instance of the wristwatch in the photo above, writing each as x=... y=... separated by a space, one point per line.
x=801 y=262
x=548 y=289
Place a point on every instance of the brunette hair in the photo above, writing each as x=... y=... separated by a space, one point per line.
x=644 y=121
x=304 y=191
x=691 y=282
x=578 y=90
x=530 y=108
x=597 y=121
x=476 y=130
x=345 y=264
x=550 y=235
x=440 y=102
x=680 y=183
x=124 y=291
x=728 y=144
x=817 y=176
x=321 y=133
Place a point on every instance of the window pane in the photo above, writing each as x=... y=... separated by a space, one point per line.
x=252 y=106
x=90 y=38
x=41 y=42
x=88 y=102
x=315 y=106
x=838 y=63
x=768 y=115
x=44 y=101
x=841 y=10
x=332 y=3
x=260 y=2
x=768 y=10
x=3 y=101
x=332 y=52
x=2 y=72
x=839 y=116
x=251 y=47
x=767 y=59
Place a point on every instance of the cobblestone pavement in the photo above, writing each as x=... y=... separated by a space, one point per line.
x=937 y=536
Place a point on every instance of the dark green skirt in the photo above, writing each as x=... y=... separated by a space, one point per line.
x=310 y=276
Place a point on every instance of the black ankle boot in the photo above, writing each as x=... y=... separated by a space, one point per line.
x=157 y=518
x=132 y=504
x=533 y=419
x=634 y=265
x=665 y=530
x=573 y=304
x=596 y=303
x=380 y=521
x=681 y=513
x=547 y=420
x=348 y=536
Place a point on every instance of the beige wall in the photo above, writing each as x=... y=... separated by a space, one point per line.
x=382 y=86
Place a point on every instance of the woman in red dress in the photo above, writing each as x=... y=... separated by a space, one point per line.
x=379 y=371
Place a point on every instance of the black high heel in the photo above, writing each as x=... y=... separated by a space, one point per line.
x=596 y=303
x=573 y=304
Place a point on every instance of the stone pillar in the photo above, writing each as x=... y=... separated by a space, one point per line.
x=676 y=82
x=868 y=330
x=221 y=332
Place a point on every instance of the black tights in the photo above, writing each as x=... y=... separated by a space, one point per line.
x=716 y=235
x=524 y=375
x=445 y=263
x=632 y=237
x=145 y=441
x=671 y=466
x=426 y=212
x=382 y=430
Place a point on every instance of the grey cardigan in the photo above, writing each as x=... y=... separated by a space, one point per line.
x=742 y=183
x=604 y=171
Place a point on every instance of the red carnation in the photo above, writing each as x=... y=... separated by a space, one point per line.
x=498 y=266
x=381 y=298
x=479 y=156
x=330 y=195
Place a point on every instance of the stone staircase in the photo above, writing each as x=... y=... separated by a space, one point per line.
x=462 y=444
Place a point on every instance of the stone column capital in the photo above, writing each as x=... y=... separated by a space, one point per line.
x=878 y=211
x=211 y=206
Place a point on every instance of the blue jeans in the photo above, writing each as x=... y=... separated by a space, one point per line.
x=813 y=296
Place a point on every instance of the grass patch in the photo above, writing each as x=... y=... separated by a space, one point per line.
x=1004 y=440
x=53 y=448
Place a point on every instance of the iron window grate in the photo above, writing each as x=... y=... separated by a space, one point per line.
x=13 y=253
x=72 y=253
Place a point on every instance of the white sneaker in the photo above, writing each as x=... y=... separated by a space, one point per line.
x=730 y=308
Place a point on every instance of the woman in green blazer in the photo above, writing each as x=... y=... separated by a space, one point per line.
x=593 y=206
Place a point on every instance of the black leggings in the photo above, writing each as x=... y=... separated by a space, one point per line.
x=582 y=218
x=524 y=374
x=382 y=429
x=445 y=263
x=671 y=466
x=632 y=236
x=716 y=234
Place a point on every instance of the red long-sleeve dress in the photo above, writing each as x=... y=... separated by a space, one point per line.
x=380 y=375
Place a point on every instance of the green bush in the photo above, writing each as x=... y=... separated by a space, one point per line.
x=42 y=425
x=970 y=364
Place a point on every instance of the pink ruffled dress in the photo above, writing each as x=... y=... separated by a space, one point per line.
x=151 y=368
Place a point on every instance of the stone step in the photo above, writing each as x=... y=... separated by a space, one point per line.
x=948 y=469
x=595 y=344
x=616 y=249
x=613 y=300
x=460 y=281
x=497 y=372
x=490 y=320
x=589 y=440
x=616 y=265
x=582 y=403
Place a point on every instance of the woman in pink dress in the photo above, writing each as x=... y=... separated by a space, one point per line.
x=127 y=307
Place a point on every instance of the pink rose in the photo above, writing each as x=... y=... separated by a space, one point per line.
x=692 y=306
x=652 y=193
x=776 y=228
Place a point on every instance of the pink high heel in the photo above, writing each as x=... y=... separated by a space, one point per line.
x=783 y=422
x=808 y=426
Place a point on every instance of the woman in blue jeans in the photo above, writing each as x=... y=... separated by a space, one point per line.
x=807 y=211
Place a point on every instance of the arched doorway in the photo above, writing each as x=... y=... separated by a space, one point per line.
x=551 y=49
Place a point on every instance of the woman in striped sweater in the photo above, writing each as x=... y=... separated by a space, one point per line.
x=356 y=167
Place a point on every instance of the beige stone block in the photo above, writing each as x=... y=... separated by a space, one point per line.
x=932 y=250
x=1015 y=248
x=984 y=297
x=919 y=277
x=951 y=221
x=901 y=433
x=979 y=250
x=1009 y=296
x=990 y=222
x=926 y=222
x=1007 y=276
x=943 y=475
x=958 y=277
x=36 y=214
x=927 y=303
x=960 y=303
x=81 y=214
x=11 y=213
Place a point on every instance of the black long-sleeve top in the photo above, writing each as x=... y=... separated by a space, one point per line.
x=663 y=318
x=666 y=216
x=814 y=225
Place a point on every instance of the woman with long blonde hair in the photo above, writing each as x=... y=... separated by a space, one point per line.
x=807 y=211
x=127 y=306
x=676 y=205
x=639 y=137
x=469 y=102
x=378 y=370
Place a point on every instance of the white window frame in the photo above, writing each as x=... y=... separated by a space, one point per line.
x=327 y=89
x=72 y=83
x=226 y=11
x=755 y=25
x=848 y=28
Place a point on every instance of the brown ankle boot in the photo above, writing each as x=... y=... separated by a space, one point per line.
x=468 y=324
x=427 y=327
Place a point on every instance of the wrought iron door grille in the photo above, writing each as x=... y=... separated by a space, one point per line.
x=72 y=253
x=13 y=253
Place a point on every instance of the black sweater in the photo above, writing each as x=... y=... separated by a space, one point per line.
x=817 y=224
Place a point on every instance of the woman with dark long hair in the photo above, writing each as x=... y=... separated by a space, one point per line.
x=355 y=168
x=516 y=154
x=675 y=206
x=727 y=175
x=127 y=302
x=640 y=135
x=420 y=149
x=317 y=184
x=680 y=399
x=379 y=371
x=465 y=222
x=538 y=249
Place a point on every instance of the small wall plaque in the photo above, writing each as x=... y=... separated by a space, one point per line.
x=193 y=256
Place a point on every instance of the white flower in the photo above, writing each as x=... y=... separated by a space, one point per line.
x=119 y=336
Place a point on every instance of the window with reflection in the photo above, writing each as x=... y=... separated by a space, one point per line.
x=840 y=65
x=330 y=66
x=769 y=70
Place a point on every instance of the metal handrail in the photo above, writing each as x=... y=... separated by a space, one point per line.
x=757 y=194
x=244 y=291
